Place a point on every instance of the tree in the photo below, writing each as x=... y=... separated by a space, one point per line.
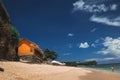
x=14 y=39
x=14 y=34
x=50 y=55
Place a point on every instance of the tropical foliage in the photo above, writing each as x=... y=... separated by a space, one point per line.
x=75 y=63
x=14 y=34
x=50 y=55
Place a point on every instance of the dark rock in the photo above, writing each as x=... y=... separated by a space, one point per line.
x=8 y=36
x=31 y=59
x=1 y=69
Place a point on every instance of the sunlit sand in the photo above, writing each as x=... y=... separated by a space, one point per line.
x=25 y=71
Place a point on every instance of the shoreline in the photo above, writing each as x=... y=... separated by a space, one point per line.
x=100 y=75
x=103 y=70
x=26 y=71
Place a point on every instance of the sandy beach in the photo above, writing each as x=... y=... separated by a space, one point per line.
x=25 y=71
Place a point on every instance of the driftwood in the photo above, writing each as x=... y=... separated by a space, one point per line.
x=1 y=69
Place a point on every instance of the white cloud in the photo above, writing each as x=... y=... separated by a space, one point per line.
x=93 y=30
x=112 y=46
x=107 y=21
x=97 y=41
x=103 y=51
x=79 y=5
x=102 y=59
x=66 y=54
x=82 y=5
x=96 y=8
x=93 y=45
x=113 y=7
x=70 y=45
x=84 y=45
x=92 y=59
x=110 y=58
x=70 y=34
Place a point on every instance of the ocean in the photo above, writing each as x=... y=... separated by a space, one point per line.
x=107 y=67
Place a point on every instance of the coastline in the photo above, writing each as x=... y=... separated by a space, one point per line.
x=25 y=71
x=100 y=75
x=103 y=70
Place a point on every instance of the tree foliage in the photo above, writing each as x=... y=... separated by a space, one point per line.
x=50 y=55
x=14 y=39
x=14 y=35
x=74 y=63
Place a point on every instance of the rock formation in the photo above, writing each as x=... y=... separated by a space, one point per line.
x=8 y=36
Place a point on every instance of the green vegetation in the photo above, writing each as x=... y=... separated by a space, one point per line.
x=14 y=34
x=14 y=39
x=50 y=55
x=74 y=63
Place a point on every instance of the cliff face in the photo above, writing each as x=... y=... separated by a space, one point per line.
x=4 y=40
x=8 y=36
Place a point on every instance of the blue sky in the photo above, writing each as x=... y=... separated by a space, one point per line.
x=78 y=30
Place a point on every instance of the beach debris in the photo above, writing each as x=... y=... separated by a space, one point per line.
x=1 y=69
x=57 y=63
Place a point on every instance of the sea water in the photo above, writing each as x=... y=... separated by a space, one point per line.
x=107 y=67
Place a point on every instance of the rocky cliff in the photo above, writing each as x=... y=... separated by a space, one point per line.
x=9 y=37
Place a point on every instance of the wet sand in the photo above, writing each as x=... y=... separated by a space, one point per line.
x=100 y=75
